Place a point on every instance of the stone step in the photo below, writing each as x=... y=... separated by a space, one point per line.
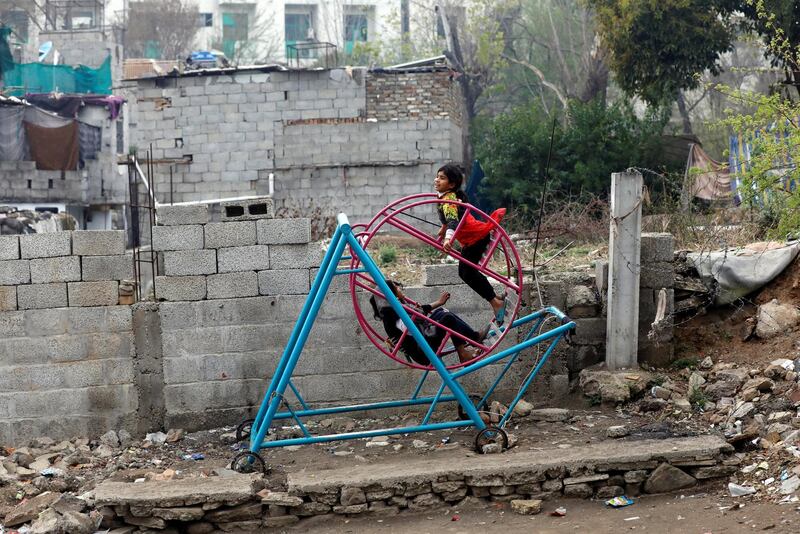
x=615 y=455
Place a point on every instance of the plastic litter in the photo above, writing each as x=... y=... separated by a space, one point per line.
x=634 y=518
x=196 y=456
x=52 y=472
x=559 y=512
x=740 y=491
x=619 y=502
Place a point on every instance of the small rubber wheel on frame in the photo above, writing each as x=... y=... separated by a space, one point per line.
x=249 y=462
x=491 y=435
x=475 y=400
x=243 y=430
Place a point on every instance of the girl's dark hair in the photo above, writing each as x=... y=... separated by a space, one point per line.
x=376 y=312
x=455 y=177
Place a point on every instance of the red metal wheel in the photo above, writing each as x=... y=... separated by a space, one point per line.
x=406 y=215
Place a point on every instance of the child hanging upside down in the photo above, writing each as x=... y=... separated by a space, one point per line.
x=474 y=236
x=434 y=335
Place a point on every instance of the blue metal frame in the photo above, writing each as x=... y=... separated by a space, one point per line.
x=281 y=379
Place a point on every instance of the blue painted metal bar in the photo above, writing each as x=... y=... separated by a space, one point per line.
x=326 y=261
x=363 y=407
x=528 y=381
x=433 y=405
x=558 y=331
x=307 y=321
x=366 y=434
x=447 y=378
x=419 y=384
x=297 y=394
x=350 y=271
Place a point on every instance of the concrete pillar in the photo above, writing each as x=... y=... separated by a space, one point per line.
x=148 y=367
x=624 y=249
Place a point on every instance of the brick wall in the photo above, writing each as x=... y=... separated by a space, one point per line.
x=426 y=95
x=312 y=130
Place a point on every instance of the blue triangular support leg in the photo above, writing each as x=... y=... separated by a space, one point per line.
x=343 y=236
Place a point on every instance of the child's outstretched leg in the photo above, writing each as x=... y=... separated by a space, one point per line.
x=478 y=281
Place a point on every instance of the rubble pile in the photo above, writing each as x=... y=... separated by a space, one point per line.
x=757 y=410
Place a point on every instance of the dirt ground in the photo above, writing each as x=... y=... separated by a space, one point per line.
x=722 y=332
x=700 y=511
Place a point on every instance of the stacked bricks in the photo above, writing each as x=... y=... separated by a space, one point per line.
x=656 y=274
x=20 y=181
x=62 y=269
x=433 y=95
x=243 y=255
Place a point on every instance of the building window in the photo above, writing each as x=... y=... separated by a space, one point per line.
x=234 y=30
x=205 y=20
x=299 y=27
x=356 y=30
x=18 y=22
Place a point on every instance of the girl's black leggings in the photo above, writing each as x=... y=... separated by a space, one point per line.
x=470 y=275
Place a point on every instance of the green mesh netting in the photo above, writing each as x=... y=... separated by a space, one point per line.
x=42 y=78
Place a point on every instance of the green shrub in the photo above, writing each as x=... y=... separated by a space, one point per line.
x=387 y=254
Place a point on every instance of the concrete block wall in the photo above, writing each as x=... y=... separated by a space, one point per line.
x=62 y=269
x=313 y=131
x=65 y=371
x=20 y=181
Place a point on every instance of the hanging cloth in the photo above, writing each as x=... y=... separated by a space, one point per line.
x=54 y=149
x=12 y=134
x=44 y=119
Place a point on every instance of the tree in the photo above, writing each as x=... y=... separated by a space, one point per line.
x=658 y=47
x=771 y=128
x=597 y=140
x=556 y=54
x=161 y=30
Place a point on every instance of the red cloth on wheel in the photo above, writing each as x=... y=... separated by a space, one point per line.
x=472 y=230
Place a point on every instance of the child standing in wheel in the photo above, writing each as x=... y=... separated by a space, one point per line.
x=473 y=235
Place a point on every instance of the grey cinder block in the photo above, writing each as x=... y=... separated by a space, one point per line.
x=190 y=262
x=60 y=269
x=182 y=214
x=247 y=210
x=98 y=243
x=291 y=256
x=8 y=298
x=232 y=285
x=285 y=282
x=657 y=275
x=9 y=247
x=94 y=268
x=45 y=245
x=14 y=272
x=105 y=293
x=283 y=231
x=177 y=288
x=250 y=258
x=42 y=296
x=445 y=274
x=230 y=234
x=183 y=237
x=657 y=247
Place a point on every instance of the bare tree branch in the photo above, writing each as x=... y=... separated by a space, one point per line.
x=561 y=98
